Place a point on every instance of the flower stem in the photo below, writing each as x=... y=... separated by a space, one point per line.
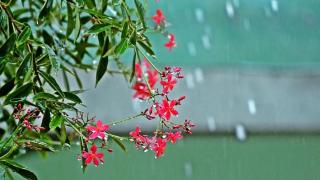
x=125 y=120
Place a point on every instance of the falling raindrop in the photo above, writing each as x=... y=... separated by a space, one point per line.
x=229 y=9
x=241 y=132
x=199 y=15
x=192 y=49
x=274 y=5
x=188 y=169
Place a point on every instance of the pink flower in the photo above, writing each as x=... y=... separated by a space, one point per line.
x=173 y=137
x=166 y=109
x=171 y=43
x=27 y=124
x=142 y=91
x=138 y=70
x=136 y=133
x=158 y=18
x=93 y=156
x=169 y=84
x=98 y=130
x=152 y=78
x=159 y=147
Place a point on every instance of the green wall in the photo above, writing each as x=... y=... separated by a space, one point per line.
x=276 y=157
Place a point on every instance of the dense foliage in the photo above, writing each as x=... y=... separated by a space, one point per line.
x=41 y=38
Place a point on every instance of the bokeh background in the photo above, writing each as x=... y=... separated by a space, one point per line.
x=252 y=81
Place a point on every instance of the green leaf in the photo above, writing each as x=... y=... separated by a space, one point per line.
x=77 y=25
x=63 y=134
x=23 y=67
x=125 y=30
x=52 y=82
x=24 y=36
x=6 y=88
x=71 y=23
x=121 y=47
x=140 y=13
x=44 y=96
x=73 y=97
x=55 y=62
x=45 y=10
x=118 y=141
x=147 y=48
x=97 y=28
x=37 y=145
x=65 y=80
x=56 y=121
x=46 y=120
x=15 y=167
x=8 y=45
x=103 y=63
x=77 y=79
x=133 y=69
x=20 y=92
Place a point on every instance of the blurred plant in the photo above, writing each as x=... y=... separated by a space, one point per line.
x=40 y=38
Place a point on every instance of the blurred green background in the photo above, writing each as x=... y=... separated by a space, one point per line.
x=258 y=34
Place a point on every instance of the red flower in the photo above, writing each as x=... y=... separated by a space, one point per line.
x=138 y=70
x=152 y=78
x=142 y=91
x=166 y=109
x=136 y=133
x=171 y=43
x=173 y=137
x=159 y=147
x=158 y=18
x=27 y=124
x=98 y=130
x=93 y=156
x=169 y=84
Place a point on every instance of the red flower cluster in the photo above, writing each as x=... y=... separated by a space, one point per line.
x=161 y=106
x=141 y=87
x=94 y=132
x=93 y=156
x=171 y=43
x=25 y=116
x=159 y=20
x=98 y=130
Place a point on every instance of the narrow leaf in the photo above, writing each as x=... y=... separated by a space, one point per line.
x=24 y=172
x=71 y=23
x=147 y=49
x=23 y=67
x=140 y=12
x=121 y=47
x=6 y=88
x=56 y=121
x=103 y=63
x=73 y=97
x=24 y=36
x=46 y=120
x=44 y=96
x=118 y=141
x=45 y=10
x=20 y=92
x=8 y=45
x=77 y=79
x=97 y=28
x=52 y=82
